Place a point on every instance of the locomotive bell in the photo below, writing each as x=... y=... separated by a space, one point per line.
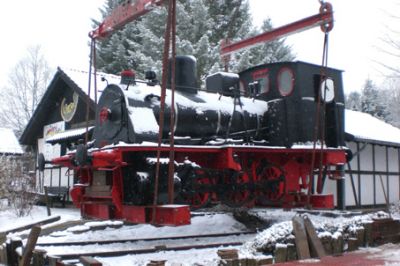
x=185 y=74
x=128 y=77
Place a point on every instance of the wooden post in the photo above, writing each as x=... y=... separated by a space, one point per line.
x=280 y=253
x=291 y=252
x=39 y=257
x=89 y=261
x=303 y=251
x=30 y=245
x=3 y=237
x=326 y=241
x=360 y=234
x=313 y=237
x=367 y=234
x=46 y=195
x=337 y=244
x=12 y=256
x=3 y=254
x=352 y=244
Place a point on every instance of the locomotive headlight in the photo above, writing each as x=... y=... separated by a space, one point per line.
x=104 y=114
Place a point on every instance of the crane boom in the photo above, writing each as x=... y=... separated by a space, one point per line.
x=324 y=19
x=123 y=14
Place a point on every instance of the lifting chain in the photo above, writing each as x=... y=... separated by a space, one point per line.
x=318 y=128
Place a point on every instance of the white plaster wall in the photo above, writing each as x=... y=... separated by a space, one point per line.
x=367 y=180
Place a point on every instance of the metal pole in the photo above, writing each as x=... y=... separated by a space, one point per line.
x=172 y=118
x=162 y=103
x=341 y=193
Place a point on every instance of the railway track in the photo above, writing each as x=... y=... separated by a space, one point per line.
x=111 y=248
x=103 y=242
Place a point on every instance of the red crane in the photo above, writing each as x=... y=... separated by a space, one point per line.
x=324 y=19
x=126 y=12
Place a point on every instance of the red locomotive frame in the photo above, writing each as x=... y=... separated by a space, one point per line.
x=287 y=169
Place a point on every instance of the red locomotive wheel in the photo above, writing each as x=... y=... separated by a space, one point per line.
x=270 y=183
x=199 y=199
x=195 y=192
x=237 y=193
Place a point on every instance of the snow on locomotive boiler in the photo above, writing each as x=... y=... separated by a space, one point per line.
x=130 y=112
x=246 y=139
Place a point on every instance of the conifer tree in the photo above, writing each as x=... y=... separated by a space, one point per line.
x=372 y=101
x=201 y=25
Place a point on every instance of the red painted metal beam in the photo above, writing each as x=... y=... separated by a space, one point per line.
x=123 y=14
x=323 y=19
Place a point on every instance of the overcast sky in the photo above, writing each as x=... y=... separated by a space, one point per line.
x=61 y=27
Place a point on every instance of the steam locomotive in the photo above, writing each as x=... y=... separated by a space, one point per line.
x=270 y=135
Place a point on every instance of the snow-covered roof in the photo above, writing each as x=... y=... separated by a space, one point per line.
x=68 y=134
x=366 y=127
x=81 y=79
x=8 y=142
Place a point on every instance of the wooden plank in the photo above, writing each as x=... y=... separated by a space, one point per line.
x=57 y=227
x=228 y=253
x=29 y=226
x=30 y=245
x=303 y=251
x=61 y=226
x=315 y=242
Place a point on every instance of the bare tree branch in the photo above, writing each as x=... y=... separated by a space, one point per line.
x=27 y=84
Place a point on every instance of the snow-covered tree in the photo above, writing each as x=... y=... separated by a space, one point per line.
x=353 y=101
x=392 y=88
x=28 y=81
x=373 y=101
x=201 y=25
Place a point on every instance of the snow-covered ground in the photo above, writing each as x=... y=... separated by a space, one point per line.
x=217 y=223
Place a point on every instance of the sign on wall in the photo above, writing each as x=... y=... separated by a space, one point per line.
x=69 y=106
x=51 y=151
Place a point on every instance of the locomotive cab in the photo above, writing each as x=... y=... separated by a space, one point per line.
x=292 y=91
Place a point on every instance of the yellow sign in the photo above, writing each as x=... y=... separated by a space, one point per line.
x=68 y=109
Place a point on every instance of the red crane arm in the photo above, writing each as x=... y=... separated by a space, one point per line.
x=323 y=19
x=123 y=14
